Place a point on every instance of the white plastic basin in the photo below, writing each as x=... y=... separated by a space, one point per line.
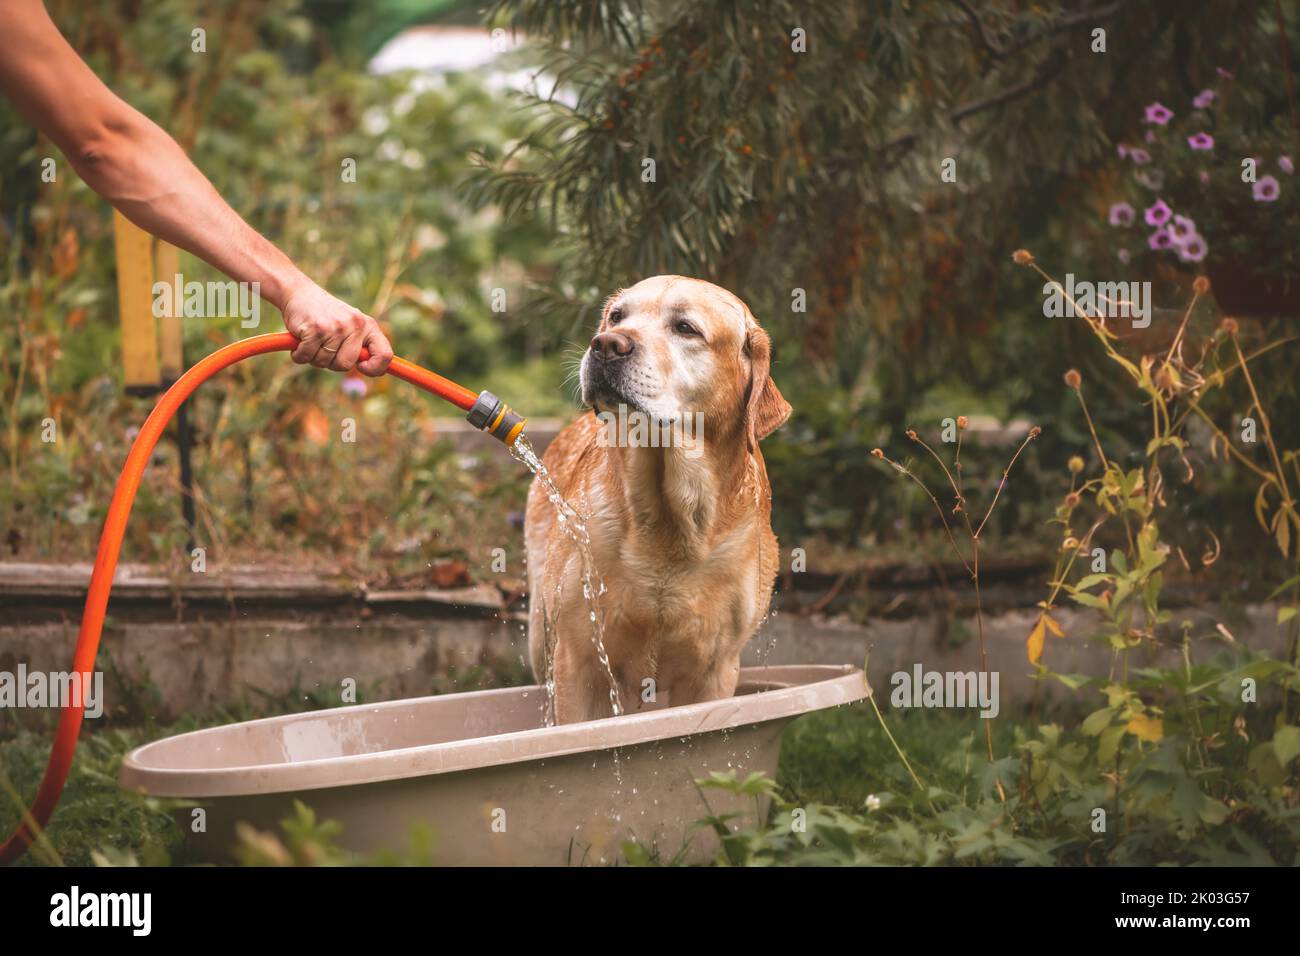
x=481 y=770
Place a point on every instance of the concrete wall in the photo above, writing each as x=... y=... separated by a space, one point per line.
x=243 y=638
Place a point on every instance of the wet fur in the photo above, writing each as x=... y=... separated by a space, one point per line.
x=684 y=546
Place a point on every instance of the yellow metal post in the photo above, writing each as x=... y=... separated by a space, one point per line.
x=135 y=271
x=152 y=356
x=167 y=266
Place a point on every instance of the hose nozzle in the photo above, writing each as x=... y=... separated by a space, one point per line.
x=495 y=417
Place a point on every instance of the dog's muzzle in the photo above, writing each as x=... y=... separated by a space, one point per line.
x=604 y=367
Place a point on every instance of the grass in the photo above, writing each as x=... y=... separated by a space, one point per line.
x=95 y=815
x=841 y=756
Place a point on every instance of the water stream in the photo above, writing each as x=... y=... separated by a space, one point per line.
x=593 y=587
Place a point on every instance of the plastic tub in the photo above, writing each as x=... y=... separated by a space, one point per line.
x=480 y=770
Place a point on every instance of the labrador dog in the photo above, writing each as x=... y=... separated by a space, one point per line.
x=670 y=490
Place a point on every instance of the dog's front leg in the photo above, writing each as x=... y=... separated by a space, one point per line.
x=581 y=687
x=715 y=682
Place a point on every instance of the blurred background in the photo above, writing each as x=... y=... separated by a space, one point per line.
x=503 y=148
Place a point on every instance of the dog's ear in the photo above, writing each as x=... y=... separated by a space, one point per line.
x=765 y=408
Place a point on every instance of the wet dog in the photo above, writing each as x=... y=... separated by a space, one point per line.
x=667 y=478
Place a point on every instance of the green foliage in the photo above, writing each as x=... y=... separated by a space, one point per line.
x=1221 y=787
x=399 y=242
x=780 y=171
x=98 y=822
x=1181 y=765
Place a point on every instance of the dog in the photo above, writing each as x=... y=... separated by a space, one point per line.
x=669 y=487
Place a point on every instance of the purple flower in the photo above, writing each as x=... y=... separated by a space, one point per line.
x=1181 y=229
x=1193 y=250
x=1123 y=256
x=1284 y=163
x=1158 y=214
x=1122 y=150
x=1160 y=239
x=1201 y=141
x=1267 y=189
x=1149 y=136
x=1159 y=114
x=1203 y=99
x=1140 y=157
x=1223 y=73
x=1121 y=214
x=354 y=386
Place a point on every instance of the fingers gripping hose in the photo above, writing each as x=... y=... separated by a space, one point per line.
x=486 y=412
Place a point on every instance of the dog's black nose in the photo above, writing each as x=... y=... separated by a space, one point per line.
x=610 y=346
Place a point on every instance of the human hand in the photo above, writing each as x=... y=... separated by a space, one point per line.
x=331 y=333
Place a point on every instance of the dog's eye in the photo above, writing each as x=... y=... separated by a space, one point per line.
x=615 y=316
x=682 y=327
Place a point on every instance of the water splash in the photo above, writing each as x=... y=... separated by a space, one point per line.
x=593 y=587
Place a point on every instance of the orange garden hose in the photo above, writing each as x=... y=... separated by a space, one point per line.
x=485 y=412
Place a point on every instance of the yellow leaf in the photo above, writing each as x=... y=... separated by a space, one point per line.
x=1052 y=625
x=1036 y=638
x=1261 y=505
x=1146 y=728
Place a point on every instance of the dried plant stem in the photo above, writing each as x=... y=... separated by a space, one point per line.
x=1006 y=473
x=1094 y=321
x=984 y=654
x=897 y=749
x=937 y=507
x=1101 y=454
x=979 y=598
x=973 y=566
x=1062 y=573
x=1263 y=420
x=1182 y=327
x=1227 y=443
x=1092 y=429
x=955 y=490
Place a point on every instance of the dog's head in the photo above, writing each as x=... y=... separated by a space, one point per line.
x=674 y=348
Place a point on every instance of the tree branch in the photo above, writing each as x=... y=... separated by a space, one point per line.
x=985 y=41
x=1082 y=18
x=908 y=140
